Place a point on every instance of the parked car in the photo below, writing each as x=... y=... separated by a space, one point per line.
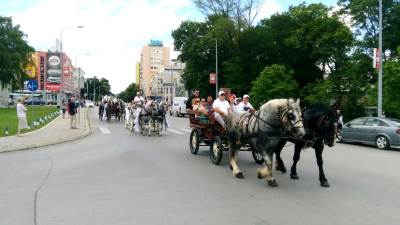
x=178 y=107
x=89 y=103
x=381 y=132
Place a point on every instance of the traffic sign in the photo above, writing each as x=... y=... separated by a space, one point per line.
x=32 y=85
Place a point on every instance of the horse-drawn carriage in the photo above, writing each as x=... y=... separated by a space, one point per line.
x=206 y=131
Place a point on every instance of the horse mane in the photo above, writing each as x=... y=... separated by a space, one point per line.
x=316 y=110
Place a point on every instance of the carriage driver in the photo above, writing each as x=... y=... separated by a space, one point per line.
x=138 y=101
x=221 y=108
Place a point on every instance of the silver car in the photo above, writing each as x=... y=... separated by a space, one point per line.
x=381 y=132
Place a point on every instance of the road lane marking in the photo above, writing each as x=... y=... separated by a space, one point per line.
x=104 y=130
x=186 y=130
x=174 y=131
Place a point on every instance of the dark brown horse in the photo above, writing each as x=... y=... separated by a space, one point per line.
x=320 y=122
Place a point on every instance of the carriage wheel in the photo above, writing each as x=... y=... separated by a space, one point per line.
x=194 y=141
x=258 y=158
x=216 y=150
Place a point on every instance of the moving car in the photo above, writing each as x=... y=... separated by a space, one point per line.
x=381 y=132
x=178 y=107
x=89 y=104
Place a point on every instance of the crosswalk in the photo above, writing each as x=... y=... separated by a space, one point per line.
x=179 y=131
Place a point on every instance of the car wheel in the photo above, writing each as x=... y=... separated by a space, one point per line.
x=339 y=136
x=382 y=142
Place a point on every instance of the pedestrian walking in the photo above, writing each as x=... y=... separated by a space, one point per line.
x=63 y=108
x=72 y=110
x=21 y=115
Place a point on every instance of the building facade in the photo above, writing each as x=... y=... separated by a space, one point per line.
x=168 y=83
x=154 y=58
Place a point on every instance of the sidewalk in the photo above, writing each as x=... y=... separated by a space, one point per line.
x=56 y=132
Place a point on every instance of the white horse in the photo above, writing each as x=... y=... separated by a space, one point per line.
x=263 y=131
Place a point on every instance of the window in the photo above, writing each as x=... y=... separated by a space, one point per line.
x=358 y=122
x=372 y=122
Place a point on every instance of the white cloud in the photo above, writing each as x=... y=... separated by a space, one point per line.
x=269 y=8
x=114 y=32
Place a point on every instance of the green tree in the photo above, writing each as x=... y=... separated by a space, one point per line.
x=276 y=81
x=14 y=53
x=391 y=84
x=129 y=93
x=365 y=14
x=243 y=12
x=102 y=86
x=313 y=42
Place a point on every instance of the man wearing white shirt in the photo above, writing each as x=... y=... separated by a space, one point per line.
x=221 y=108
x=245 y=105
x=138 y=101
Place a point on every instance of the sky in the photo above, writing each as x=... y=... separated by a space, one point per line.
x=114 y=30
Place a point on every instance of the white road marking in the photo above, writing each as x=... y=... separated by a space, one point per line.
x=104 y=130
x=186 y=130
x=174 y=131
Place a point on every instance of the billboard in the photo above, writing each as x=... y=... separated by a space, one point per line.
x=53 y=73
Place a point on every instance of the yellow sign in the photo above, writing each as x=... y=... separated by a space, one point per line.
x=30 y=70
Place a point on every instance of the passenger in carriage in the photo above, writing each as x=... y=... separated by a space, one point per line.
x=196 y=104
x=221 y=108
x=245 y=106
x=200 y=107
x=189 y=102
x=209 y=104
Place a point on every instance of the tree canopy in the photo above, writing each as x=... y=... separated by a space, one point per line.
x=15 y=52
x=307 y=51
x=129 y=93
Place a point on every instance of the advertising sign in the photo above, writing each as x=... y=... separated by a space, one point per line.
x=376 y=63
x=30 y=69
x=53 y=74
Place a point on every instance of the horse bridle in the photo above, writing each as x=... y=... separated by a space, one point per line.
x=281 y=116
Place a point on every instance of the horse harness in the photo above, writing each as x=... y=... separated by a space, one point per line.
x=248 y=118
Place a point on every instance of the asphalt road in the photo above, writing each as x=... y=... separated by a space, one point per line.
x=117 y=177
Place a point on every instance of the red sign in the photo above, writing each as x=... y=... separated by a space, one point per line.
x=377 y=59
x=53 y=87
x=67 y=71
x=213 y=78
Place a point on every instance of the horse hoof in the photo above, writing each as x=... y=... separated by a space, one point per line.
x=239 y=175
x=281 y=168
x=259 y=176
x=325 y=184
x=294 y=176
x=273 y=183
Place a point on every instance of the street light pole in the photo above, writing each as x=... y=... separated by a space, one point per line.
x=62 y=61
x=79 y=86
x=216 y=65
x=216 y=68
x=380 y=62
x=94 y=89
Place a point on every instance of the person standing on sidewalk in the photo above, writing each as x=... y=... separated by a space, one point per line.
x=21 y=114
x=72 y=110
x=63 y=108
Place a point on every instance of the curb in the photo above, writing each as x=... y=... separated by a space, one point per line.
x=87 y=131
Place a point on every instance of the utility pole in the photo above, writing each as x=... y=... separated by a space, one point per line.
x=216 y=68
x=94 y=89
x=380 y=62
